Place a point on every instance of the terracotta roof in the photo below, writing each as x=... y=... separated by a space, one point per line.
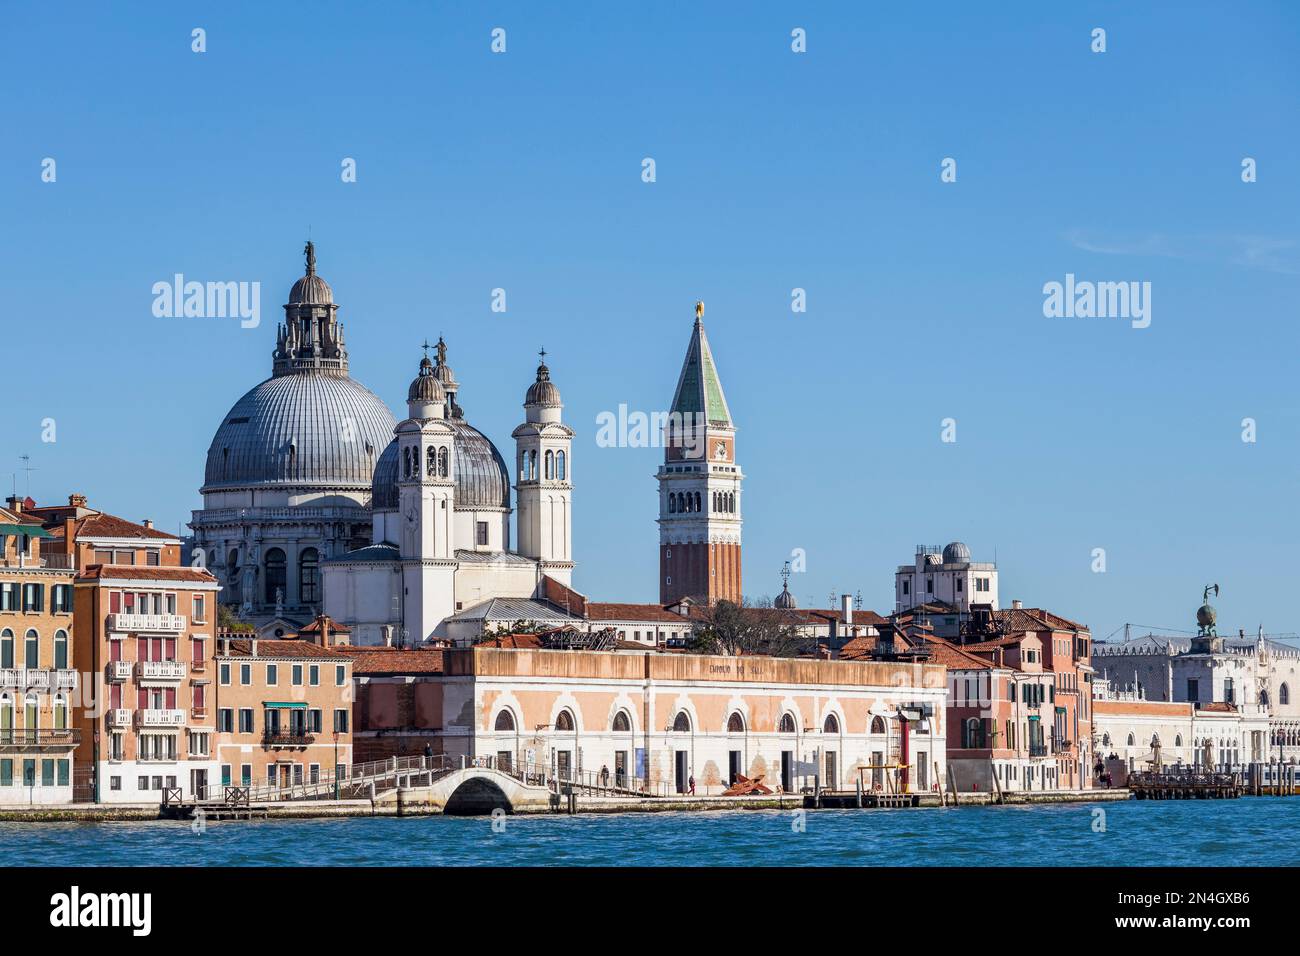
x=147 y=572
x=243 y=647
x=516 y=642
x=110 y=526
x=334 y=626
x=1217 y=707
x=611 y=611
x=941 y=651
x=1035 y=619
x=14 y=517
x=860 y=616
x=394 y=660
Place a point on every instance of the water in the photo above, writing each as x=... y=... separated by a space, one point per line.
x=1245 y=832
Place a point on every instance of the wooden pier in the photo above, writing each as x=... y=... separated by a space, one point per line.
x=1186 y=786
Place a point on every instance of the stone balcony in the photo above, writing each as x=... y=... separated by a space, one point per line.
x=160 y=717
x=162 y=671
x=118 y=671
x=147 y=623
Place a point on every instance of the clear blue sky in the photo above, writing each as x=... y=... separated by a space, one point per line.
x=775 y=171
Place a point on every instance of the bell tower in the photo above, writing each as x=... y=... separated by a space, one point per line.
x=699 y=485
x=426 y=489
x=544 y=465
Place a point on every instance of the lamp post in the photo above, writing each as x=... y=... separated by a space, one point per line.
x=336 y=764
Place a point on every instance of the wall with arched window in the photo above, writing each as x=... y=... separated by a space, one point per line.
x=309 y=575
x=275 y=574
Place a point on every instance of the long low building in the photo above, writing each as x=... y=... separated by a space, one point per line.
x=658 y=720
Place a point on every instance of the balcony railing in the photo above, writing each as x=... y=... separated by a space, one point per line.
x=39 y=737
x=161 y=670
x=119 y=717
x=287 y=737
x=65 y=679
x=119 y=670
x=37 y=678
x=160 y=717
x=12 y=677
x=135 y=623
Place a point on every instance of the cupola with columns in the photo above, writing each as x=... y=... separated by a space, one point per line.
x=544 y=466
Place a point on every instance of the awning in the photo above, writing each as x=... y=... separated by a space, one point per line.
x=31 y=530
x=284 y=705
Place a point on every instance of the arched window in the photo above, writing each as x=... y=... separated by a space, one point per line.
x=275 y=574
x=60 y=712
x=31 y=714
x=61 y=650
x=732 y=507
x=550 y=464
x=1178 y=740
x=621 y=722
x=1155 y=741
x=877 y=725
x=309 y=574
x=787 y=724
x=831 y=726
x=505 y=721
x=564 y=721
x=560 y=470
x=735 y=723
x=406 y=463
x=672 y=504
x=532 y=465
x=1130 y=740
x=698 y=506
x=1263 y=698
x=32 y=650
x=444 y=469
x=681 y=723
x=6 y=718
x=431 y=462
x=1284 y=695
x=7 y=648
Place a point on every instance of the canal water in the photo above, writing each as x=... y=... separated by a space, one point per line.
x=1245 y=832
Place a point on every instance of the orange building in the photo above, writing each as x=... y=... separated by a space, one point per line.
x=144 y=632
x=37 y=676
x=284 y=710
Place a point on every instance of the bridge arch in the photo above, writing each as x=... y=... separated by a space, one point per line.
x=477 y=796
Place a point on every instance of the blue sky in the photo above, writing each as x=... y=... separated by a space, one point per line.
x=775 y=170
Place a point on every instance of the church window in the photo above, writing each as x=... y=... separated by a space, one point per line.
x=560 y=466
x=532 y=464
x=697 y=502
x=308 y=568
x=482 y=529
x=550 y=464
x=443 y=468
x=431 y=462
x=672 y=504
x=1284 y=695
x=406 y=463
x=275 y=575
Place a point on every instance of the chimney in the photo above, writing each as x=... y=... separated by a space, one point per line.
x=846 y=605
x=225 y=645
x=388 y=635
x=76 y=500
x=148 y=523
x=15 y=504
x=1017 y=605
x=253 y=645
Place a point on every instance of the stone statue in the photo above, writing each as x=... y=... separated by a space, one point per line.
x=247 y=588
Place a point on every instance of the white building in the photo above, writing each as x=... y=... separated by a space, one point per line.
x=949 y=577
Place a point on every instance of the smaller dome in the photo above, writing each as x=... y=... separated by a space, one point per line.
x=311 y=290
x=426 y=388
x=543 y=391
x=785 y=600
x=955 y=553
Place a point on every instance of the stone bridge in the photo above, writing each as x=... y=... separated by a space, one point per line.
x=468 y=792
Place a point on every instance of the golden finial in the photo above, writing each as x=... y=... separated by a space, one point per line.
x=699 y=310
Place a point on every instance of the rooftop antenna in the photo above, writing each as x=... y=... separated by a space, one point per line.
x=27 y=467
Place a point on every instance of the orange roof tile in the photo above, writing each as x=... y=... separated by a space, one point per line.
x=243 y=647
x=374 y=661
x=613 y=611
x=146 y=572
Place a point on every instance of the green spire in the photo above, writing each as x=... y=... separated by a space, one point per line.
x=699 y=390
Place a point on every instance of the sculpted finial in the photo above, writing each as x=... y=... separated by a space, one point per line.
x=699 y=310
x=310 y=253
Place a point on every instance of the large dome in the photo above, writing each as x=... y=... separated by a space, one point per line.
x=482 y=478
x=300 y=429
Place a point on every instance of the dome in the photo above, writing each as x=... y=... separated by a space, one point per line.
x=311 y=289
x=956 y=553
x=426 y=387
x=300 y=429
x=785 y=600
x=482 y=478
x=543 y=391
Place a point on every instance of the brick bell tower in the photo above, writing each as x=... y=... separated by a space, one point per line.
x=699 y=485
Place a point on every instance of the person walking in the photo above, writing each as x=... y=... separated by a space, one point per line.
x=428 y=756
x=604 y=775
x=691 y=784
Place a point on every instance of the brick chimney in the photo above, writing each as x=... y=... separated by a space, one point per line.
x=148 y=523
x=77 y=501
x=15 y=504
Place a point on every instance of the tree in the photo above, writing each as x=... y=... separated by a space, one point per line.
x=228 y=621
x=729 y=628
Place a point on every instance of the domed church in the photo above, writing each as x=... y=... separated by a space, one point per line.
x=288 y=477
x=316 y=499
